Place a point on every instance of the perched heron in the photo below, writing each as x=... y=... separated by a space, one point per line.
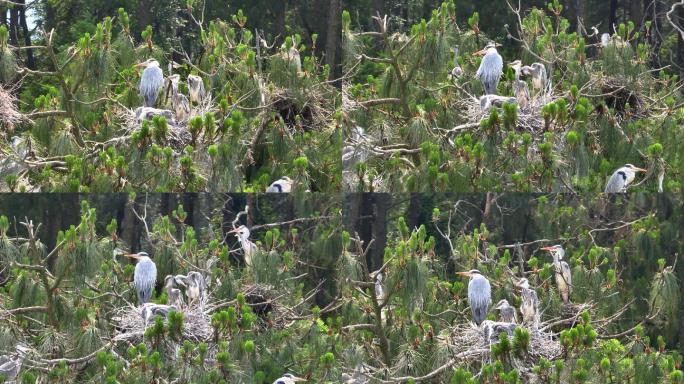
x=352 y=155
x=196 y=89
x=479 y=294
x=10 y=365
x=292 y=56
x=181 y=104
x=529 y=303
x=248 y=247
x=457 y=71
x=605 y=40
x=380 y=294
x=194 y=284
x=620 y=179
x=282 y=185
x=520 y=88
x=562 y=271
x=538 y=73
x=288 y=378
x=507 y=314
x=150 y=310
x=144 y=277
x=21 y=147
x=491 y=68
x=173 y=293
x=148 y=113
x=151 y=82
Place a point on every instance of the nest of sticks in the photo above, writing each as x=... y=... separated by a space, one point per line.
x=529 y=118
x=468 y=343
x=9 y=115
x=130 y=325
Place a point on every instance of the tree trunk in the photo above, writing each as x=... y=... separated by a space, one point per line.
x=280 y=10
x=144 y=14
x=612 y=16
x=30 y=62
x=14 y=26
x=333 y=46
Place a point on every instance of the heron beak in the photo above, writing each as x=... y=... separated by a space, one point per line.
x=463 y=273
x=132 y=256
x=640 y=169
x=295 y=378
x=547 y=248
x=480 y=52
x=233 y=231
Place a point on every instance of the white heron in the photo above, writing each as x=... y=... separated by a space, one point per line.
x=621 y=178
x=248 y=248
x=151 y=81
x=288 y=378
x=479 y=295
x=195 y=286
x=173 y=293
x=529 y=303
x=144 y=277
x=196 y=89
x=507 y=313
x=562 y=271
x=491 y=68
x=520 y=88
x=537 y=71
x=456 y=71
x=282 y=185
x=181 y=104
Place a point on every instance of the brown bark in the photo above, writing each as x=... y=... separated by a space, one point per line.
x=30 y=62
x=333 y=46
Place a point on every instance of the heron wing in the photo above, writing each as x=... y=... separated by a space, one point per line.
x=144 y=278
x=616 y=183
x=567 y=274
x=490 y=69
x=479 y=296
x=151 y=82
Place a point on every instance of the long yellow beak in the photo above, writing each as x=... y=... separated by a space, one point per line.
x=640 y=169
x=547 y=248
x=463 y=273
x=480 y=52
x=132 y=256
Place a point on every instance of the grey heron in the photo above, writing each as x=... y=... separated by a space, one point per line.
x=561 y=270
x=456 y=71
x=488 y=101
x=248 y=248
x=288 y=378
x=605 y=39
x=520 y=88
x=491 y=68
x=10 y=365
x=380 y=294
x=150 y=310
x=352 y=155
x=282 y=185
x=148 y=113
x=292 y=55
x=492 y=329
x=196 y=89
x=507 y=313
x=479 y=295
x=173 y=293
x=539 y=77
x=194 y=284
x=151 y=81
x=144 y=277
x=529 y=303
x=181 y=104
x=621 y=178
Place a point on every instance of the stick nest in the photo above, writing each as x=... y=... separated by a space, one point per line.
x=529 y=118
x=9 y=115
x=469 y=343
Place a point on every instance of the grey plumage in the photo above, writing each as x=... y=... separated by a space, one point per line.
x=181 y=104
x=507 y=313
x=537 y=71
x=456 y=71
x=10 y=365
x=195 y=286
x=148 y=113
x=621 y=178
x=529 y=304
x=288 y=378
x=380 y=289
x=491 y=69
x=492 y=329
x=151 y=82
x=479 y=295
x=173 y=293
x=149 y=311
x=196 y=89
x=248 y=248
x=520 y=88
x=282 y=185
x=144 y=277
x=562 y=271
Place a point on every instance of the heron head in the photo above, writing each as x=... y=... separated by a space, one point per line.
x=293 y=378
x=502 y=304
x=515 y=64
x=522 y=283
x=241 y=232
x=556 y=250
x=174 y=79
x=634 y=169
x=136 y=256
x=487 y=48
x=148 y=63
x=471 y=273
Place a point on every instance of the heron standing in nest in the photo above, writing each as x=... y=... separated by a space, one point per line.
x=151 y=81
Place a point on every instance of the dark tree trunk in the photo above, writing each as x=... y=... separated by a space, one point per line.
x=333 y=46
x=14 y=26
x=144 y=14
x=612 y=15
x=280 y=10
x=30 y=62
x=680 y=45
